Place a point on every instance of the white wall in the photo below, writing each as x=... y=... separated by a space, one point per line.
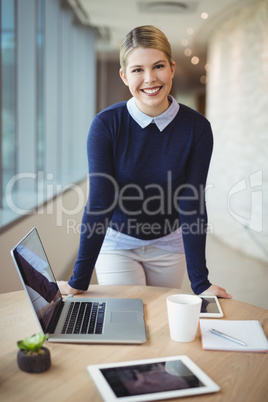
x=237 y=106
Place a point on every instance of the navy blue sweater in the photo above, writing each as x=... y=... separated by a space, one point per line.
x=146 y=183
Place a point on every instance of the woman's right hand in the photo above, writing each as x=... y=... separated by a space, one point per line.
x=214 y=290
x=66 y=289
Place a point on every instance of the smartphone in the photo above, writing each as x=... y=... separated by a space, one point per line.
x=210 y=307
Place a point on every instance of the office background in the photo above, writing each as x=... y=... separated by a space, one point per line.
x=56 y=73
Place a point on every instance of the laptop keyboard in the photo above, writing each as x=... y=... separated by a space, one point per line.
x=84 y=318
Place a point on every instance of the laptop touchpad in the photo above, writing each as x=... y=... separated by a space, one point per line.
x=125 y=317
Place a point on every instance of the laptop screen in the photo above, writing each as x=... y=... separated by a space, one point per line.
x=37 y=277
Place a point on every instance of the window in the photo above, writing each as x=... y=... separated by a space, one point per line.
x=8 y=96
x=47 y=103
x=40 y=85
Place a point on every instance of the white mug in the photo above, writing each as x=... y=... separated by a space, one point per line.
x=183 y=316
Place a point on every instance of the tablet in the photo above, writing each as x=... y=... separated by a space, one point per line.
x=151 y=379
x=210 y=307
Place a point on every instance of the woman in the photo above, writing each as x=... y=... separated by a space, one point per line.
x=148 y=163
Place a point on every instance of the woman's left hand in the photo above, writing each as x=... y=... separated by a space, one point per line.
x=214 y=290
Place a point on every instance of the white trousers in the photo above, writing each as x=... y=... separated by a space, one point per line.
x=147 y=265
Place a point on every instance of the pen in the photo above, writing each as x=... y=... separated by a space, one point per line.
x=225 y=336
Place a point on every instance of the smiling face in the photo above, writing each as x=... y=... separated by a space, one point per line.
x=148 y=74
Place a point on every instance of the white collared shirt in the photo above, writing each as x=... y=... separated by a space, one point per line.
x=161 y=121
x=173 y=242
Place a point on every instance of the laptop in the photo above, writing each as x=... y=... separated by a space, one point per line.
x=73 y=319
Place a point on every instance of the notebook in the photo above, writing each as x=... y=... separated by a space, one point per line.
x=250 y=332
x=73 y=319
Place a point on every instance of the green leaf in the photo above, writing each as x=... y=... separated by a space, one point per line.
x=32 y=343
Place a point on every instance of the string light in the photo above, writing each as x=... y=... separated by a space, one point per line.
x=184 y=42
x=188 y=51
x=195 y=60
x=190 y=31
x=204 y=16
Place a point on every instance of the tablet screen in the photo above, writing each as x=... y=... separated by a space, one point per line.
x=210 y=307
x=150 y=378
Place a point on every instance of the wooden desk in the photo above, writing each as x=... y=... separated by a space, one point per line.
x=241 y=376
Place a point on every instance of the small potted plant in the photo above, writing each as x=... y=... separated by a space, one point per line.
x=32 y=356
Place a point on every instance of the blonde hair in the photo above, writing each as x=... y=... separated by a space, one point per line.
x=146 y=36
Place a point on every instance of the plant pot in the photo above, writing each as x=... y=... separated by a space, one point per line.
x=34 y=363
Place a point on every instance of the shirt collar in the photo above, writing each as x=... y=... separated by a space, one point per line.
x=161 y=121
